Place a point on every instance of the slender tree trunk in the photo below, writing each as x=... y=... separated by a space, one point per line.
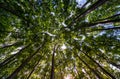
x=12 y=57
x=110 y=62
x=23 y=64
x=97 y=75
x=52 y=67
x=8 y=9
x=34 y=67
x=110 y=17
x=10 y=45
x=85 y=4
x=107 y=73
x=114 y=28
x=90 y=9
x=103 y=22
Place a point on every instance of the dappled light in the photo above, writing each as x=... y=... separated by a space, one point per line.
x=59 y=39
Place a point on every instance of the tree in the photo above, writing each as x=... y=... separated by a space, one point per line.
x=51 y=39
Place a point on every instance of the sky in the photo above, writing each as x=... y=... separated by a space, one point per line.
x=80 y=2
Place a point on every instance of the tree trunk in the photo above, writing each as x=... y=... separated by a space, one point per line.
x=85 y=4
x=12 y=57
x=34 y=67
x=114 y=28
x=97 y=75
x=103 y=22
x=24 y=63
x=110 y=17
x=52 y=67
x=91 y=8
x=107 y=73
x=9 y=45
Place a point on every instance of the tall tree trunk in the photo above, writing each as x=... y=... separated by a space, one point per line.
x=100 y=22
x=103 y=22
x=114 y=28
x=110 y=62
x=12 y=57
x=110 y=17
x=107 y=73
x=90 y=9
x=14 y=12
x=52 y=67
x=23 y=64
x=85 y=4
x=97 y=75
x=9 y=45
x=34 y=67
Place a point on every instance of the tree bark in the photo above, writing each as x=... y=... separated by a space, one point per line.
x=52 y=67
x=9 y=45
x=34 y=67
x=107 y=73
x=100 y=22
x=97 y=75
x=24 y=63
x=85 y=4
x=103 y=22
x=8 y=9
x=114 y=28
x=12 y=57
x=90 y=9
x=110 y=62
x=110 y=17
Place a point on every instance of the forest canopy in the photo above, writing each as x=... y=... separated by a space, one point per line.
x=51 y=39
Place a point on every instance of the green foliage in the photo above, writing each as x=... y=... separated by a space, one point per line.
x=84 y=46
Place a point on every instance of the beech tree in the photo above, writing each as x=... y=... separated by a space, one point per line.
x=51 y=39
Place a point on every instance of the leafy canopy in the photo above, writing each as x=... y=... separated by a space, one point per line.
x=51 y=39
